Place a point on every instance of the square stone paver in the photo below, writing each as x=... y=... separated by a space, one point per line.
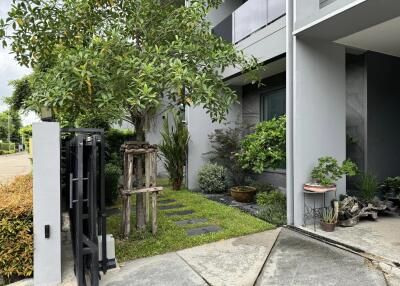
x=203 y=230
x=166 y=201
x=170 y=207
x=191 y=221
x=178 y=213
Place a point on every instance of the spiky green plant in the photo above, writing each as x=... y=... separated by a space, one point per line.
x=368 y=186
x=174 y=149
x=329 y=216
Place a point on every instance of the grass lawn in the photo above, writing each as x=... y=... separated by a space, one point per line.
x=172 y=237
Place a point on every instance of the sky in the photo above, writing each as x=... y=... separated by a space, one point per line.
x=9 y=70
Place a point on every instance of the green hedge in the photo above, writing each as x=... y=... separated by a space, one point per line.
x=16 y=228
x=7 y=147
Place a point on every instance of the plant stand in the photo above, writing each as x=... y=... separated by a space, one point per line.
x=140 y=172
x=313 y=212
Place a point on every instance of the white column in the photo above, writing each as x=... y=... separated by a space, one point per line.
x=46 y=203
x=319 y=112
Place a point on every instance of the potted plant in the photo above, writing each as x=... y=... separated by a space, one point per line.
x=243 y=194
x=328 y=220
x=327 y=172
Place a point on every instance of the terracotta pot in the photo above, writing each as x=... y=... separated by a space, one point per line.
x=243 y=194
x=328 y=227
x=312 y=187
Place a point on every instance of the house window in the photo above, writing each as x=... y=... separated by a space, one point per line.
x=273 y=103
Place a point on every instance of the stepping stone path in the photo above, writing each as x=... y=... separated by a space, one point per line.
x=178 y=213
x=191 y=221
x=170 y=207
x=167 y=201
x=203 y=230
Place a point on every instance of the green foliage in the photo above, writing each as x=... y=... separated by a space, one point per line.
x=273 y=207
x=16 y=228
x=392 y=183
x=10 y=121
x=368 y=186
x=266 y=147
x=270 y=198
x=25 y=133
x=212 y=179
x=329 y=216
x=172 y=237
x=226 y=143
x=327 y=172
x=114 y=139
x=118 y=59
x=7 y=147
x=174 y=149
x=112 y=174
x=263 y=187
x=21 y=94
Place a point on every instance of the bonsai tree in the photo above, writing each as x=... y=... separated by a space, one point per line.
x=266 y=147
x=327 y=172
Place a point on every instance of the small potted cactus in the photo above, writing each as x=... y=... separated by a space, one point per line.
x=328 y=220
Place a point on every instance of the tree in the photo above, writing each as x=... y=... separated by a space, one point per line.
x=115 y=59
x=10 y=122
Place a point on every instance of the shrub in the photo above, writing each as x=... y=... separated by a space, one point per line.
x=266 y=147
x=112 y=174
x=16 y=227
x=114 y=139
x=226 y=143
x=174 y=149
x=212 y=179
x=273 y=207
x=368 y=187
x=263 y=187
x=327 y=172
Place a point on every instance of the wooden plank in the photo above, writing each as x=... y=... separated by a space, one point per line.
x=144 y=190
x=154 y=214
x=140 y=198
x=147 y=171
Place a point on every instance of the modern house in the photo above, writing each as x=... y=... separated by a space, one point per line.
x=331 y=66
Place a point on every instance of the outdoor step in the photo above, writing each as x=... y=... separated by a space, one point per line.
x=203 y=230
x=179 y=213
x=166 y=201
x=170 y=207
x=191 y=221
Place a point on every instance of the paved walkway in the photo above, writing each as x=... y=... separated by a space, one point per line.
x=14 y=165
x=268 y=258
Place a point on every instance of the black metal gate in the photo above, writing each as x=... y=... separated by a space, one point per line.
x=83 y=181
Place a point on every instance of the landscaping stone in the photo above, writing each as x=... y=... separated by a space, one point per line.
x=170 y=207
x=179 y=213
x=191 y=221
x=251 y=208
x=203 y=230
x=166 y=201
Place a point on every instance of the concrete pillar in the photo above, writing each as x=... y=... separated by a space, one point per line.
x=319 y=112
x=46 y=203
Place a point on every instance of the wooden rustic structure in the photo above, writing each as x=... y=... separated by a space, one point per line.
x=140 y=171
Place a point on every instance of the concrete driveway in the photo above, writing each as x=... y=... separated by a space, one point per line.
x=269 y=258
x=14 y=165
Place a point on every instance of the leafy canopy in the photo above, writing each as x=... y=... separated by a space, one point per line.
x=327 y=172
x=117 y=58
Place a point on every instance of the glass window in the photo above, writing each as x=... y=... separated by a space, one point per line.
x=273 y=104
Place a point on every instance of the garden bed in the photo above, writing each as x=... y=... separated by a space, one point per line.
x=185 y=219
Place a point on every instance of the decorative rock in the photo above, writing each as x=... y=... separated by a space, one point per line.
x=203 y=230
x=170 y=207
x=191 y=221
x=166 y=201
x=178 y=213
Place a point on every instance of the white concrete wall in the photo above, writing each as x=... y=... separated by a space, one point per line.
x=319 y=116
x=227 y=7
x=200 y=126
x=46 y=203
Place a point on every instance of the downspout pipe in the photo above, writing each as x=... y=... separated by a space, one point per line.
x=289 y=113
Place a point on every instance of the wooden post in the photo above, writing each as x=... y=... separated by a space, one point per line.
x=124 y=196
x=127 y=209
x=154 y=214
x=140 y=204
x=147 y=171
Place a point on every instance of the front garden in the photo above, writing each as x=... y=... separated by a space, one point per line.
x=182 y=217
